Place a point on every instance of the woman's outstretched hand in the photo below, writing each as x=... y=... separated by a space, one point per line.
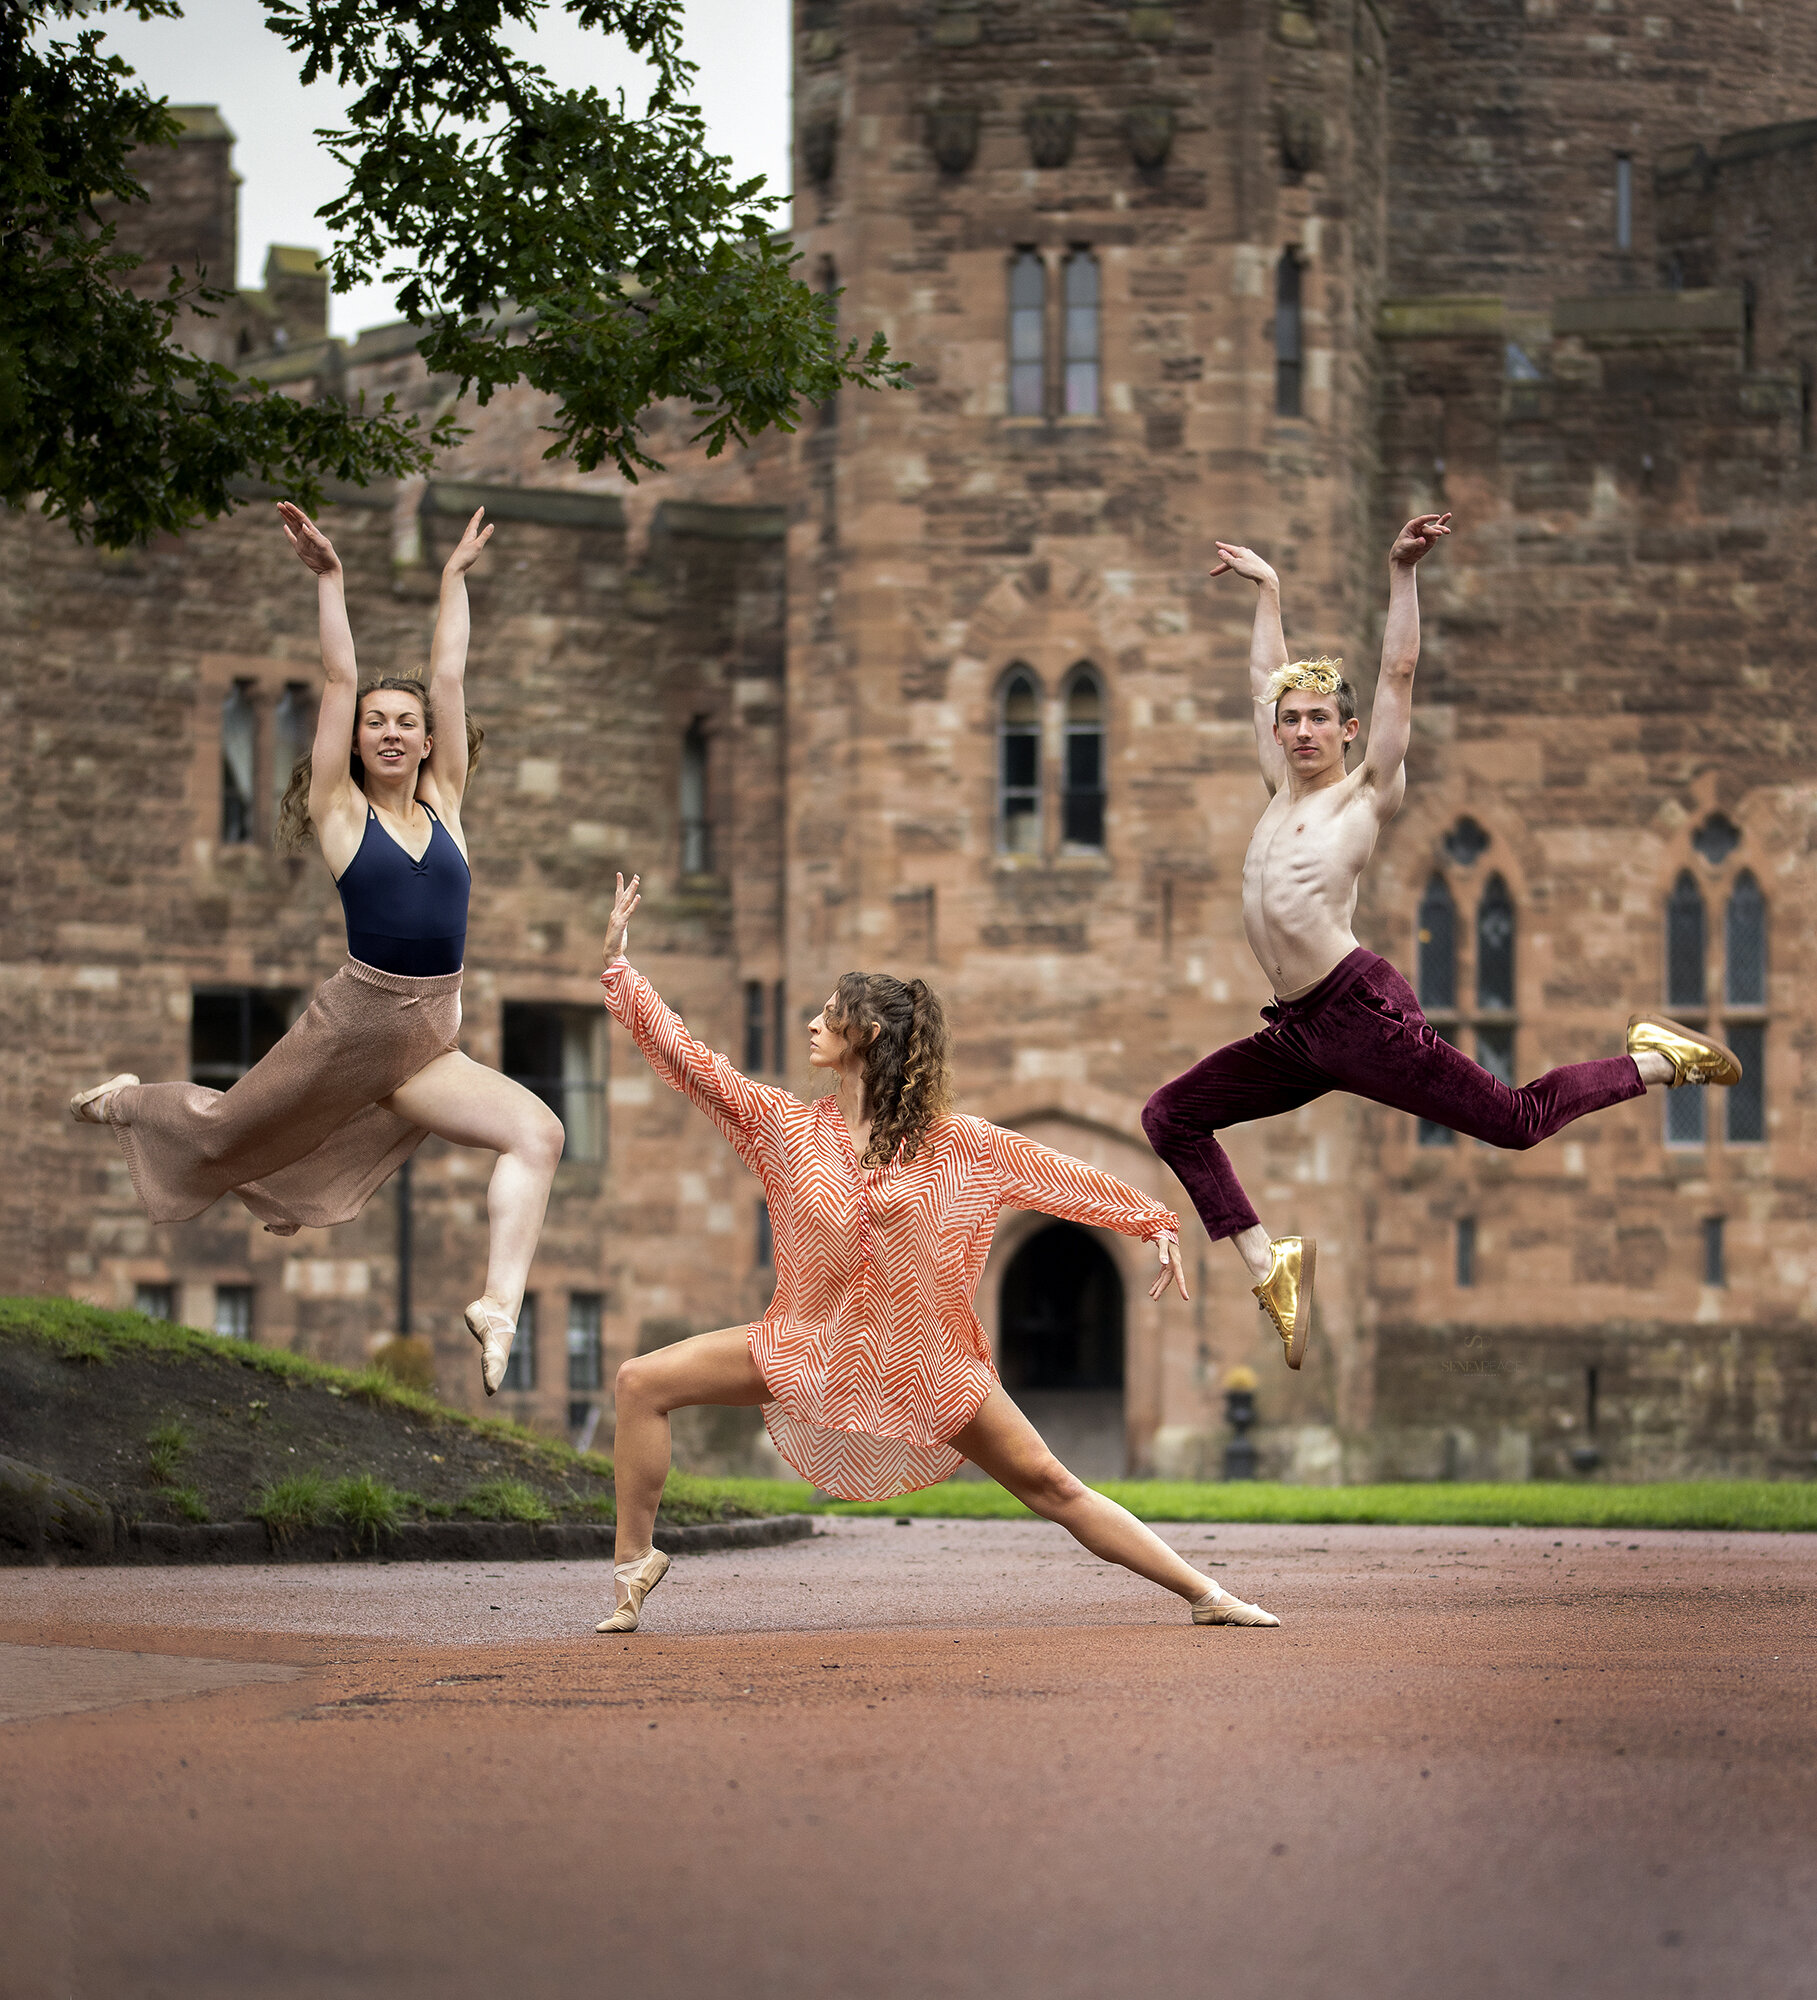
x=618 y=930
x=1173 y=1272
x=466 y=550
x=312 y=546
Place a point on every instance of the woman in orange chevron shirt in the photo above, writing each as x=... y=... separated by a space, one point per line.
x=870 y=1363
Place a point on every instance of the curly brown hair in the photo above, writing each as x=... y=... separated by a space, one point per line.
x=907 y=1082
x=294 y=830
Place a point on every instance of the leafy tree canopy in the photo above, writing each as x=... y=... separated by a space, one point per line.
x=539 y=234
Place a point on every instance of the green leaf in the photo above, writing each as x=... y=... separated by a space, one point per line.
x=542 y=237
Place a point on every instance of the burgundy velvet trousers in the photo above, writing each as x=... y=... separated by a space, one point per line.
x=1360 y=1029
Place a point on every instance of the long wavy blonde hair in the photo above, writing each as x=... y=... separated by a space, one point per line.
x=295 y=830
x=908 y=1083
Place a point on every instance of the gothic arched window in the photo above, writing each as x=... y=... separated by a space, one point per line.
x=1437 y=978
x=1027 y=335
x=1082 y=794
x=1495 y=978
x=1687 y=993
x=1744 y=986
x=1019 y=765
x=239 y=755
x=1081 y=334
x=1745 y=944
x=292 y=727
x=1685 y=943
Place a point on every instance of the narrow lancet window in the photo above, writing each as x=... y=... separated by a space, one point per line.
x=1288 y=336
x=1027 y=335
x=1082 y=804
x=1082 y=334
x=239 y=753
x=696 y=850
x=1685 y=986
x=1438 y=948
x=1019 y=767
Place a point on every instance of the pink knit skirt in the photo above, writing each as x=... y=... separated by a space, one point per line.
x=303 y=1138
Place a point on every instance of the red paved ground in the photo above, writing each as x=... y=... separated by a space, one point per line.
x=950 y=1759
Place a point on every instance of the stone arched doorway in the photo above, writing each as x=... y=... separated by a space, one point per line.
x=1060 y=1346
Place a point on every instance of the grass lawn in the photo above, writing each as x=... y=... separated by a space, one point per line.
x=166 y=1422
x=1704 y=1503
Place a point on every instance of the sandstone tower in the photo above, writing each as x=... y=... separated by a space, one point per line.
x=1285 y=274
x=940 y=685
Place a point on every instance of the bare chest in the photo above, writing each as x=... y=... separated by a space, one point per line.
x=1301 y=848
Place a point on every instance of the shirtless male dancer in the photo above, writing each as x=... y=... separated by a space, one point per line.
x=1342 y=1018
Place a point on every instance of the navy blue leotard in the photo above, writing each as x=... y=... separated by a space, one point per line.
x=406 y=916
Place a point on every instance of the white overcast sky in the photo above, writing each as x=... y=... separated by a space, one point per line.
x=222 y=53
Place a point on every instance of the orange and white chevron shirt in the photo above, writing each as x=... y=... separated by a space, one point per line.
x=870 y=1349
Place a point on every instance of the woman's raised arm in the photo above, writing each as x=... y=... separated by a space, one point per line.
x=330 y=783
x=702 y=1075
x=447 y=761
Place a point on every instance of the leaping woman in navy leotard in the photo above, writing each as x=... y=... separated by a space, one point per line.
x=373 y=1067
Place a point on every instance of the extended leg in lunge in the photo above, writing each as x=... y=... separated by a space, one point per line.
x=717 y=1368
x=870 y=1362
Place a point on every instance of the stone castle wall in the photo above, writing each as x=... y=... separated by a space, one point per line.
x=1607 y=639
x=584 y=670
x=1606 y=650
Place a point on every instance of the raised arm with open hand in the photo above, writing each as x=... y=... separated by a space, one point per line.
x=618 y=926
x=447 y=761
x=330 y=786
x=1267 y=651
x=1384 y=767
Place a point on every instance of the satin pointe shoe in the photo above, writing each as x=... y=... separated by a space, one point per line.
x=1695 y=1057
x=1218 y=1607
x=90 y=1107
x=1286 y=1293
x=494 y=1332
x=634 y=1581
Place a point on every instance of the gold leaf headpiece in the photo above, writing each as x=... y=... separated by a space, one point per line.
x=1320 y=676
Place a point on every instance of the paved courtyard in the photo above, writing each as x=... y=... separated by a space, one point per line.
x=939 y=1759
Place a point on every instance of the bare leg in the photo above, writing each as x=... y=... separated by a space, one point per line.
x=1000 y=1440
x=1252 y=1247
x=468 y=1104
x=710 y=1368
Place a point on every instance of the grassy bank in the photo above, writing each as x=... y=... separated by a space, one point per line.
x=1711 y=1503
x=170 y=1424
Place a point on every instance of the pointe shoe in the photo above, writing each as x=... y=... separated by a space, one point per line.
x=1218 y=1607
x=1695 y=1057
x=90 y=1107
x=495 y=1333
x=637 y=1580
x=1286 y=1293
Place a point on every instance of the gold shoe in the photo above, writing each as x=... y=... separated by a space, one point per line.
x=90 y=1107
x=495 y=1333
x=1218 y=1607
x=637 y=1580
x=1694 y=1057
x=1286 y=1293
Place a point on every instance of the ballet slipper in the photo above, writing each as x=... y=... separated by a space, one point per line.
x=495 y=1332
x=634 y=1582
x=90 y=1107
x=1218 y=1607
